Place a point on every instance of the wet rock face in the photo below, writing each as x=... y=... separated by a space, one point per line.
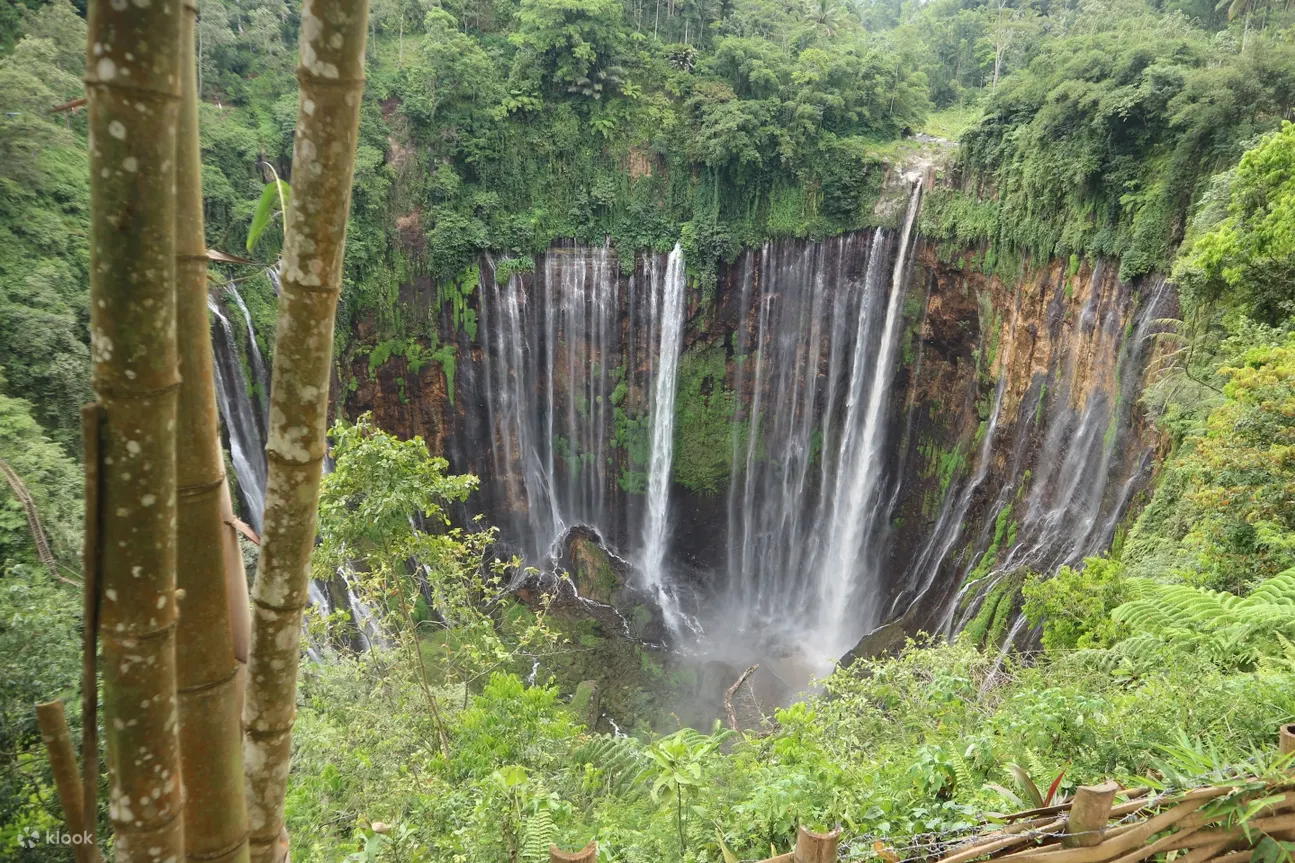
x=1009 y=434
x=1026 y=452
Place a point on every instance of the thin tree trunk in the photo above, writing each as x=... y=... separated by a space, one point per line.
x=211 y=753
x=332 y=79
x=133 y=87
x=411 y=641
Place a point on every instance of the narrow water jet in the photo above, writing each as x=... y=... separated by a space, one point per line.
x=669 y=310
x=260 y=372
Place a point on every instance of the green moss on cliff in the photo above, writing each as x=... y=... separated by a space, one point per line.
x=704 y=426
x=989 y=627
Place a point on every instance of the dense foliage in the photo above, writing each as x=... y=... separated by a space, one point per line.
x=1247 y=258
x=896 y=749
x=1103 y=142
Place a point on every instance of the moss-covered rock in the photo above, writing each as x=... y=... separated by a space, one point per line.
x=704 y=424
x=595 y=574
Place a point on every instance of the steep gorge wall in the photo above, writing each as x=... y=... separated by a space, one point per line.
x=1011 y=437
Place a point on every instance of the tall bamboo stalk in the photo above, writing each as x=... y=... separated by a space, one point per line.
x=331 y=76
x=133 y=88
x=211 y=753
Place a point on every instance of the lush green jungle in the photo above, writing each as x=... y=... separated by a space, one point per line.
x=1155 y=134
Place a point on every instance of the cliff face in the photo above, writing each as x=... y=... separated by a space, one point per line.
x=1025 y=445
x=865 y=430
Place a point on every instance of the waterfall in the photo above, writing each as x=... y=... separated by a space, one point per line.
x=1065 y=519
x=1070 y=472
x=242 y=419
x=856 y=508
x=260 y=375
x=669 y=311
x=366 y=622
x=807 y=509
x=551 y=351
x=859 y=487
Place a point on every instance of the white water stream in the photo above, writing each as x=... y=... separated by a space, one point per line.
x=668 y=308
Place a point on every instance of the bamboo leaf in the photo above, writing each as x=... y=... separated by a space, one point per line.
x=270 y=196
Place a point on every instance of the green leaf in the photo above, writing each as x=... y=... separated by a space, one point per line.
x=729 y=856
x=1026 y=784
x=270 y=196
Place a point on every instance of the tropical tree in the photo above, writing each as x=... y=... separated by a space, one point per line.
x=568 y=42
x=825 y=18
x=431 y=578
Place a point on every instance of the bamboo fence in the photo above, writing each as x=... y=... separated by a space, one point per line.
x=1096 y=827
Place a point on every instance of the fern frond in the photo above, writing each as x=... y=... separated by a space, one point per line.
x=622 y=760
x=1230 y=629
x=1035 y=764
x=1278 y=590
x=1141 y=649
x=961 y=770
x=538 y=833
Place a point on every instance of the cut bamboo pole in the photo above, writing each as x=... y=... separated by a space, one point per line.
x=211 y=753
x=814 y=847
x=1189 y=837
x=1161 y=844
x=999 y=842
x=1205 y=852
x=1116 y=845
x=1088 y=815
x=587 y=854
x=67 y=779
x=1235 y=857
x=1286 y=739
